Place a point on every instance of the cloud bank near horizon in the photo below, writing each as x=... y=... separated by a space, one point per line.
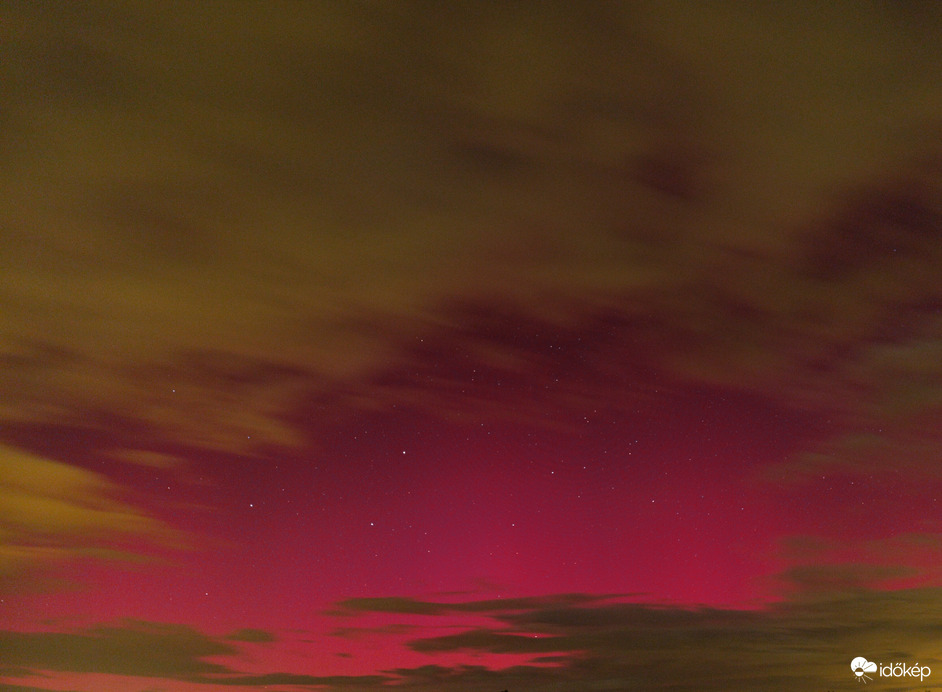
x=573 y=642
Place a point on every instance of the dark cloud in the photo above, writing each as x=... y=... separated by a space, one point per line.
x=475 y=677
x=493 y=642
x=150 y=650
x=391 y=605
x=847 y=577
x=251 y=635
x=136 y=649
x=572 y=642
x=628 y=646
x=328 y=681
x=412 y=606
x=880 y=229
x=362 y=632
x=823 y=567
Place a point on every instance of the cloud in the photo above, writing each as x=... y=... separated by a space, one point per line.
x=149 y=650
x=53 y=513
x=827 y=568
x=900 y=545
x=900 y=450
x=672 y=208
x=492 y=642
x=328 y=681
x=842 y=578
x=571 y=643
x=134 y=648
x=392 y=604
x=251 y=635
x=413 y=606
x=622 y=645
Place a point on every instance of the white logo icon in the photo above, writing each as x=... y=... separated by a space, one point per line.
x=861 y=667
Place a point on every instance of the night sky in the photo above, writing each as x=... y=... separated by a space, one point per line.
x=538 y=346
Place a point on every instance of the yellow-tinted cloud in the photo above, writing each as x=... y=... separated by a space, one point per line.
x=53 y=513
x=309 y=206
x=844 y=578
x=133 y=648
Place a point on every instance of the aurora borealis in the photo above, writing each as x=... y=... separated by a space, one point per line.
x=469 y=345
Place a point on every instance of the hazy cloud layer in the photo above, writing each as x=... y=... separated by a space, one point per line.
x=203 y=240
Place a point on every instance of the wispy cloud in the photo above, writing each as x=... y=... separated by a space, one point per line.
x=53 y=513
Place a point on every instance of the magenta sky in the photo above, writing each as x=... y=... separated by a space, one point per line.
x=469 y=347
